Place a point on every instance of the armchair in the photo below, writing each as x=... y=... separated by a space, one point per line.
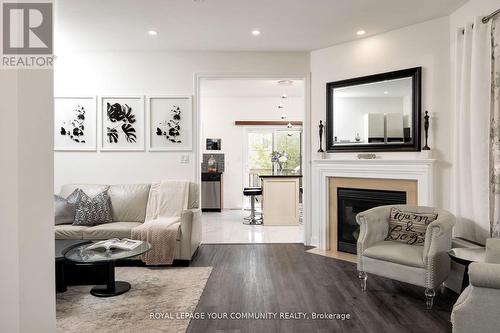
x=477 y=308
x=426 y=266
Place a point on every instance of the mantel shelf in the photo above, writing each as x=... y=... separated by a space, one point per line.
x=377 y=161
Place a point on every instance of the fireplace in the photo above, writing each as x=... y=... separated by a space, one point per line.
x=352 y=201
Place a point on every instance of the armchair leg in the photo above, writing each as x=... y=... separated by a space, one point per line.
x=429 y=294
x=362 y=278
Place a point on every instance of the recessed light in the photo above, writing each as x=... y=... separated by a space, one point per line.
x=255 y=32
x=386 y=92
x=361 y=32
x=152 y=32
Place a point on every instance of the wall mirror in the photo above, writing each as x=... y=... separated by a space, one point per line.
x=374 y=113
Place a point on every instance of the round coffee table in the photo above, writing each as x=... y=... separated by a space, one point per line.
x=80 y=254
x=465 y=256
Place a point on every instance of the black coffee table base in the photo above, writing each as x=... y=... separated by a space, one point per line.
x=117 y=288
x=112 y=287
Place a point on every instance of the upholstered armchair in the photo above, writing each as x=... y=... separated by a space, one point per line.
x=426 y=266
x=477 y=308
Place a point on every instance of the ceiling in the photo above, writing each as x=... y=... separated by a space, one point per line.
x=249 y=88
x=226 y=25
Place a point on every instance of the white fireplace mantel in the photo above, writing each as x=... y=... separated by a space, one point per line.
x=421 y=170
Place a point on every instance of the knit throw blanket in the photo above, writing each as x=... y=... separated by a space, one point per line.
x=166 y=202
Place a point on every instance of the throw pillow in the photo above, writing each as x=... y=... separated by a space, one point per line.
x=409 y=227
x=65 y=208
x=93 y=211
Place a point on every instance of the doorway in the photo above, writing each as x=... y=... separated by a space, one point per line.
x=243 y=121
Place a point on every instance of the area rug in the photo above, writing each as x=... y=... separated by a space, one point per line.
x=154 y=303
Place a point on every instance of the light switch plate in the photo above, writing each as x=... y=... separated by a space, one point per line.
x=184 y=159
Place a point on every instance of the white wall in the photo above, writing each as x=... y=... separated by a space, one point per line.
x=26 y=208
x=218 y=115
x=148 y=73
x=426 y=45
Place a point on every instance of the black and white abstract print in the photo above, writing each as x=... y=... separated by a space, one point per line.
x=171 y=128
x=170 y=123
x=74 y=129
x=123 y=116
x=122 y=123
x=75 y=125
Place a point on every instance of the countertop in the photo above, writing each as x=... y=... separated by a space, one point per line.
x=280 y=175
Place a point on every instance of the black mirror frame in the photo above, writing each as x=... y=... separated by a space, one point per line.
x=414 y=145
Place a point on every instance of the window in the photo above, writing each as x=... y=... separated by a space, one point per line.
x=262 y=144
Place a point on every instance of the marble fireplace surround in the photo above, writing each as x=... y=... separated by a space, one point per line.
x=419 y=170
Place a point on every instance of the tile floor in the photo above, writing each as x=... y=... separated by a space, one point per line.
x=228 y=227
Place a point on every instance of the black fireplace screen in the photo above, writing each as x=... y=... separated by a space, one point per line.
x=350 y=202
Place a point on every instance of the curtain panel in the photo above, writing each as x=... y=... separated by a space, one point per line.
x=471 y=163
x=495 y=129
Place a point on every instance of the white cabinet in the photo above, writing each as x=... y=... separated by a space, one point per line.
x=280 y=200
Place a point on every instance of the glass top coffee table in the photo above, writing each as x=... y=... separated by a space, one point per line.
x=466 y=256
x=81 y=255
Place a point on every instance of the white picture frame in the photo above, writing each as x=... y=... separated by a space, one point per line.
x=75 y=123
x=127 y=123
x=163 y=112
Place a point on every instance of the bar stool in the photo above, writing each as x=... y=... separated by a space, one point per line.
x=252 y=192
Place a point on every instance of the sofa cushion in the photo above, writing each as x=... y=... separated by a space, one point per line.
x=93 y=211
x=65 y=208
x=396 y=252
x=68 y=231
x=90 y=189
x=409 y=227
x=128 y=202
x=110 y=230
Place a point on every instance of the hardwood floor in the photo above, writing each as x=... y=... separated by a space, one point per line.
x=284 y=278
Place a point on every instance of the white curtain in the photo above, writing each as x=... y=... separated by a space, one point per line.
x=495 y=130
x=471 y=140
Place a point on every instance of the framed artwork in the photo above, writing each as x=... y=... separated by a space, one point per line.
x=75 y=123
x=213 y=144
x=170 y=123
x=122 y=123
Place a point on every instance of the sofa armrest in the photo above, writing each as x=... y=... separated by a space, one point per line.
x=190 y=230
x=484 y=275
x=436 y=246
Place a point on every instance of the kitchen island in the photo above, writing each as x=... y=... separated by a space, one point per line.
x=280 y=198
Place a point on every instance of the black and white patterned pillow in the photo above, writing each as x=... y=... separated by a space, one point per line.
x=409 y=227
x=93 y=211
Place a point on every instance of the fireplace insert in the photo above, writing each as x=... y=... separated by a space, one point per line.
x=352 y=201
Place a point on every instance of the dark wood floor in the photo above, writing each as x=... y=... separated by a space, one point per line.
x=284 y=278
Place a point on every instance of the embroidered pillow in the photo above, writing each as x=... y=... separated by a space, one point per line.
x=65 y=209
x=93 y=211
x=409 y=227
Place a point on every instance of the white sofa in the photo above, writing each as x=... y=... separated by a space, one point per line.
x=128 y=204
x=477 y=310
